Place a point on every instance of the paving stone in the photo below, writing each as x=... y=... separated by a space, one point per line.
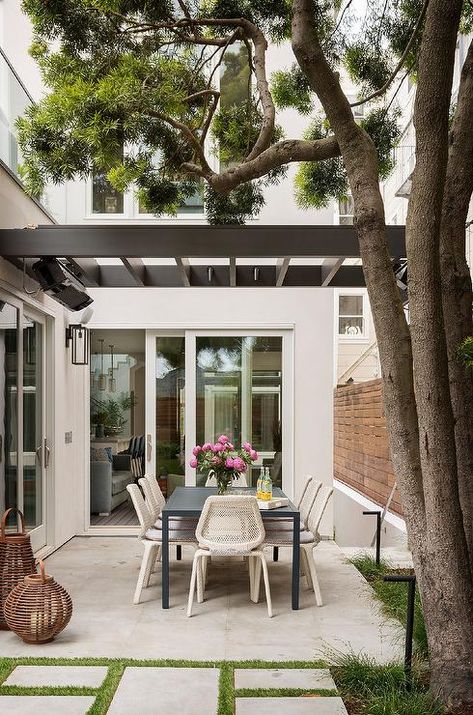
x=61 y=675
x=310 y=679
x=45 y=704
x=166 y=691
x=290 y=706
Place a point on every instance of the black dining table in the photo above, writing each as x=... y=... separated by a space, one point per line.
x=189 y=502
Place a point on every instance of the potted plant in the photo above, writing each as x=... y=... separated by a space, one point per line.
x=110 y=414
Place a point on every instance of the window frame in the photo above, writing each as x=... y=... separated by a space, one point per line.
x=343 y=337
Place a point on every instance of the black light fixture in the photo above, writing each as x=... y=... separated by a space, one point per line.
x=78 y=335
x=102 y=383
x=112 y=383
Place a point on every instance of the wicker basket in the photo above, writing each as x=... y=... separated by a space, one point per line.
x=38 y=608
x=16 y=560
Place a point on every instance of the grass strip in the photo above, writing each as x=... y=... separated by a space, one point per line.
x=10 y=663
x=226 y=690
x=107 y=690
x=47 y=690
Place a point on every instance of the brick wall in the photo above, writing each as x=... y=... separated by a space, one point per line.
x=361 y=456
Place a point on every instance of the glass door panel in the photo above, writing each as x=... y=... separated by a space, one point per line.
x=35 y=450
x=170 y=411
x=8 y=406
x=239 y=393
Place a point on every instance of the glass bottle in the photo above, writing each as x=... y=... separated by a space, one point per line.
x=267 y=488
x=259 y=484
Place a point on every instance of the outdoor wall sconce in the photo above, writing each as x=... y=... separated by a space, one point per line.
x=79 y=337
x=112 y=383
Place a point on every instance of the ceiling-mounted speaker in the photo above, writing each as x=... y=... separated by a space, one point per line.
x=60 y=283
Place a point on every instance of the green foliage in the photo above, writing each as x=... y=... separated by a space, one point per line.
x=374 y=689
x=317 y=183
x=292 y=89
x=384 y=130
x=367 y=66
x=237 y=207
x=465 y=351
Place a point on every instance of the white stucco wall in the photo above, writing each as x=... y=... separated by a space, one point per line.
x=308 y=311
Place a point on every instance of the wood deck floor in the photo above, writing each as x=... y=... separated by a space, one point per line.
x=123 y=515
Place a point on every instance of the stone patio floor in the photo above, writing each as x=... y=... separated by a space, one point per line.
x=100 y=573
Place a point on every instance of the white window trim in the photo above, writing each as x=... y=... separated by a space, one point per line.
x=360 y=339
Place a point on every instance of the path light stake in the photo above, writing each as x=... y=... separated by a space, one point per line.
x=411 y=594
x=378 y=533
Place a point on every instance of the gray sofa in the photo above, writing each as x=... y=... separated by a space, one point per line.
x=108 y=483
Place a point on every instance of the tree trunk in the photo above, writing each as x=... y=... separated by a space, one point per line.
x=447 y=594
x=425 y=461
x=456 y=287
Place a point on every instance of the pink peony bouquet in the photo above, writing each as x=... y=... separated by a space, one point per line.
x=223 y=460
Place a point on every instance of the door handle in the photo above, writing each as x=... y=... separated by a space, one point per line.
x=39 y=455
x=148 y=448
x=47 y=454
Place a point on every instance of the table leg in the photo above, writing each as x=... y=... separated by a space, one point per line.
x=295 y=561
x=165 y=561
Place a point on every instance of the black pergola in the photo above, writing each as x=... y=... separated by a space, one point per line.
x=325 y=248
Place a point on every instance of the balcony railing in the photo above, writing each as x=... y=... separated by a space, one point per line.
x=14 y=101
x=404 y=158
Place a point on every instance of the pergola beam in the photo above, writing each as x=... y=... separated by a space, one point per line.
x=136 y=268
x=184 y=268
x=281 y=270
x=144 y=241
x=329 y=268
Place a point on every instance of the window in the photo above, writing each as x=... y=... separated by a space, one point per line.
x=346 y=211
x=351 y=321
x=105 y=199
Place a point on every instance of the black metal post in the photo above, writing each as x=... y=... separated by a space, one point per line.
x=178 y=552
x=275 y=553
x=411 y=594
x=378 y=533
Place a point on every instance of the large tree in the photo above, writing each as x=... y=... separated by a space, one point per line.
x=144 y=75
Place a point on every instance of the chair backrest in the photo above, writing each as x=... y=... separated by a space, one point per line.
x=157 y=495
x=308 y=499
x=318 y=508
x=150 y=502
x=239 y=482
x=145 y=517
x=230 y=525
x=308 y=480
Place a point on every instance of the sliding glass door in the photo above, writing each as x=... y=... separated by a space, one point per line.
x=201 y=384
x=24 y=453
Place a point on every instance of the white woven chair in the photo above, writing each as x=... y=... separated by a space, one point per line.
x=151 y=538
x=309 y=540
x=308 y=497
x=211 y=481
x=229 y=526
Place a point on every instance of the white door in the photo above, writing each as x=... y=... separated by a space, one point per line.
x=201 y=383
x=36 y=451
x=24 y=453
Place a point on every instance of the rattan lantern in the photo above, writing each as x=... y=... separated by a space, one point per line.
x=16 y=560
x=38 y=608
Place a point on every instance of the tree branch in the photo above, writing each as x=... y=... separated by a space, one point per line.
x=399 y=65
x=188 y=135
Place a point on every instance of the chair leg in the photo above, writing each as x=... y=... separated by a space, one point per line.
x=205 y=564
x=306 y=568
x=269 y=604
x=313 y=576
x=200 y=579
x=157 y=559
x=256 y=566
x=145 y=570
x=195 y=568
